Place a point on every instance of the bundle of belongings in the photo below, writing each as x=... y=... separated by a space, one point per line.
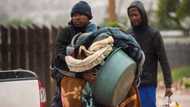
x=93 y=49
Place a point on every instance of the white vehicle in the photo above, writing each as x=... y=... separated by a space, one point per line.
x=21 y=88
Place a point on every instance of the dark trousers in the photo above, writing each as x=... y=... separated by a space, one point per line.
x=56 y=102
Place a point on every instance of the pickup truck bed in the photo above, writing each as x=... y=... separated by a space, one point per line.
x=20 y=88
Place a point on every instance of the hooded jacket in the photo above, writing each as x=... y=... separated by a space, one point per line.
x=152 y=44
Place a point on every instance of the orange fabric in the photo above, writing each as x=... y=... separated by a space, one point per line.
x=132 y=99
x=71 y=91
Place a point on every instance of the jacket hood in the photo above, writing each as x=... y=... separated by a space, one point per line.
x=139 y=5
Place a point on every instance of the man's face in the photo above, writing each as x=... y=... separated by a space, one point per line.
x=79 y=20
x=135 y=16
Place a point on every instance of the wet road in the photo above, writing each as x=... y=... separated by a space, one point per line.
x=180 y=96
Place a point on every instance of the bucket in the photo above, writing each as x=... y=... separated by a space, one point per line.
x=114 y=79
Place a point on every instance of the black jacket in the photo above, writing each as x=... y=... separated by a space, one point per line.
x=64 y=39
x=152 y=44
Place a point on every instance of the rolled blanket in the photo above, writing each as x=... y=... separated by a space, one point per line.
x=94 y=55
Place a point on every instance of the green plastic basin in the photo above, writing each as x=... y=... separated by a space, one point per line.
x=114 y=79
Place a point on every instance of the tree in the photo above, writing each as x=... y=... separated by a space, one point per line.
x=174 y=14
x=111 y=10
x=111 y=19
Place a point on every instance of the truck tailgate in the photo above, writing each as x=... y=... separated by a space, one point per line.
x=21 y=93
x=19 y=88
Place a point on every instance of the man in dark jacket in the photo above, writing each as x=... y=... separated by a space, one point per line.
x=80 y=23
x=152 y=44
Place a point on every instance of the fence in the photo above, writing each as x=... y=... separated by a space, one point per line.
x=28 y=48
x=178 y=54
x=31 y=48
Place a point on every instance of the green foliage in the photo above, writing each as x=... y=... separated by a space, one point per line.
x=114 y=24
x=172 y=12
x=162 y=13
x=110 y=24
x=171 y=5
x=183 y=10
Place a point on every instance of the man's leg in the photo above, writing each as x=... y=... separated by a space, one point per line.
x=148 y=96
x=56 y=102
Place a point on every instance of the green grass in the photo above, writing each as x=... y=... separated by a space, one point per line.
x=177 y=73
x=180 y=73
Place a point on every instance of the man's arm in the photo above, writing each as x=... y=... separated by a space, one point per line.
x=162 y=57
x=61 y=43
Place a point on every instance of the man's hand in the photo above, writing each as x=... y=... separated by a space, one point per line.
x=70 y=50
x=168 y=92
x=89 y=76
